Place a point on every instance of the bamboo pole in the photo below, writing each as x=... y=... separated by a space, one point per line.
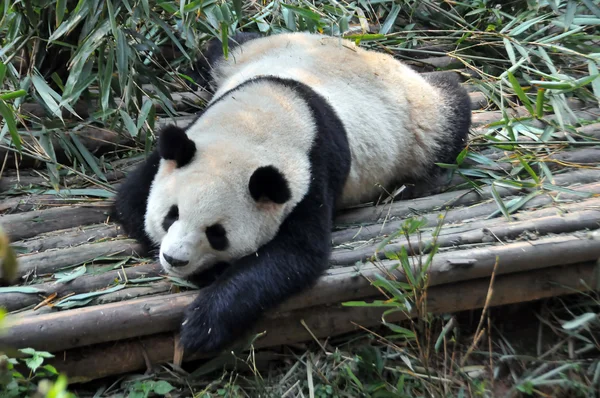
x=469 y=212
x=30 y=224
x=68 y=237
x=372 y=214
x=51 y=261
x=494 y=232
x=82 y=284
x=541 y=222
x=113 y=358
x=91 y=325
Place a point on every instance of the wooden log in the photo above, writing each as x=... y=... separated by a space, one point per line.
x=134 y=318
x=540 y=222
x=68 y=238
x=83 y=284
x=372 y=214
x=113 y=358
x=20 y=204
x=29 y=224
x=493 y=233
x=51 y=261
x=466 y=214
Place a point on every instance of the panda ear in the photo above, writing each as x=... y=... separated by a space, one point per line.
x=269 y=183
x=174 y=144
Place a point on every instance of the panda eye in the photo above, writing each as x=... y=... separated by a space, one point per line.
x=217 y=237
x=171 y=217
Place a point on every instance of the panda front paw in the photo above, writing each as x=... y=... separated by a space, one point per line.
x=206 y=328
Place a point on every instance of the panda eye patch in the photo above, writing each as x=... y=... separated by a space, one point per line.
x=217 y=237
x=171 y=217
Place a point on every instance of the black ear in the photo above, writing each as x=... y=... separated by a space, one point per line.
x=268 y=182
x=174 y=144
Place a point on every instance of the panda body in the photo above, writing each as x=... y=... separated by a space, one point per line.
x=299 y=126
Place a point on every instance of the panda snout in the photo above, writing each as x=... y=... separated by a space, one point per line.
x=174 y=262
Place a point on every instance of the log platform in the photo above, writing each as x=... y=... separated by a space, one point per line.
x=85 y=294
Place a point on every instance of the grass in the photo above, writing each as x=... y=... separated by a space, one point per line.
x=76 y=73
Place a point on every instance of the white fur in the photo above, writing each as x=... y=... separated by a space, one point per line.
x=391 y=114
x=265 y=126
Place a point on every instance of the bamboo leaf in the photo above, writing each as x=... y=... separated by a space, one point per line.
x=9 y=118
x=500 y=202
x=520 y=93
x=581 y=320
x=79 y=14
x=129 y=124
x=44 y=91
x=88 y=157
x=122 y=57
x=19 y=289
x=390 y=20
x=144 y=112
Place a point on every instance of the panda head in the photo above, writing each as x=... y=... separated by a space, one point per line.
x=212 y=201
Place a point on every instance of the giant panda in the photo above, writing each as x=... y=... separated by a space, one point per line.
x=299 y=126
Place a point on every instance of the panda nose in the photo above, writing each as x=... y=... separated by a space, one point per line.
x=175 y=262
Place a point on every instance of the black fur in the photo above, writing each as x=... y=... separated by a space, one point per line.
x=217 y=237
x=174 y=144
x=213 y=53
x=268 y=183
x=129 y=206
x=293 y=260
x=461 y=116
x=171 y=217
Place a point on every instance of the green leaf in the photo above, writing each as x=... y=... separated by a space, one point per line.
x=88 y=157
x=129 y=124
x=306 y=13
x=528 y=168
x=13 y=95
x=79 y=14
x=122 y=57
x=106 y=78
x=61 y=6
x=34 y=362
x=520 y=93
x=162 y=387
x=237 y=6
x=580 y=321
x=143 y=116
x=9 y=118
x=539 y=103
x=391 y=18
x=2 y=72
x=19 y=289
x=69 y=276
x=499 y=202
x=89 y=296
x=407 y=333
x=46 y=93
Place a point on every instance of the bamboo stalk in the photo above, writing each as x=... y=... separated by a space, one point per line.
x=30 y=224
x=372 y=214
x=102 y=360
x=83 y=284
x=51 y=261
x=134 y=318
x=500 y=232
x=542 y=222
x=478 y=210
x=68 y=238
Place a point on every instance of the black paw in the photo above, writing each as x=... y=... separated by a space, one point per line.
x=205 y=327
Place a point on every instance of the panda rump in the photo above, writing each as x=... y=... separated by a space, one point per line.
x=299 y=125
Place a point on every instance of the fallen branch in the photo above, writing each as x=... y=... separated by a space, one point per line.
x=113 y=358
x=134 y=318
